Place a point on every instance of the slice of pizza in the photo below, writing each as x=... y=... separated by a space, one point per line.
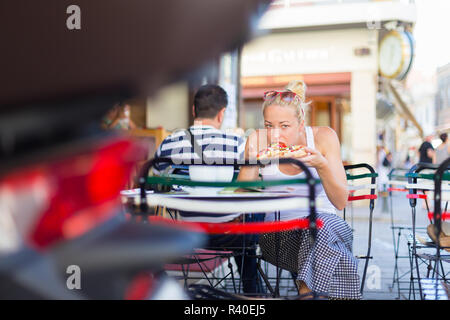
x=280 y=150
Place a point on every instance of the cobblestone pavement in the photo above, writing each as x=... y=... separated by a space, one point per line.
x=379 y=278
x=382 y=246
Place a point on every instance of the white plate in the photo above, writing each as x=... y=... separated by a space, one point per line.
x=133 y=192
x=202 y=190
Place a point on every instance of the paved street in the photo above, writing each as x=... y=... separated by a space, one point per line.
x=378 y=284
x=382 y=245
x=380 y=273
x=381 y=267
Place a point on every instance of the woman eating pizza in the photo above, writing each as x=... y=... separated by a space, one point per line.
x=335 y=267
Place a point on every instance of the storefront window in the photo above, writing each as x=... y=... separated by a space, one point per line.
x=251 y=117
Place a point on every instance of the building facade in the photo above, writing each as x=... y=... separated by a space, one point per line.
x=332 y=46
x=443 y=99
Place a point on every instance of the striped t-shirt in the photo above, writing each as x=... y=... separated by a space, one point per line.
x=216 y=147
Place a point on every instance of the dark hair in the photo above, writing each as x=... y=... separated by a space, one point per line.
x=443 y=137
x=209 y=100
x=386 y=161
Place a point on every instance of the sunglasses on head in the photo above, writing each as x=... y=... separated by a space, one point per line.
x=287 y=96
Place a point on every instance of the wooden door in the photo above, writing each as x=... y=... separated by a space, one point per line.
x=323 y=112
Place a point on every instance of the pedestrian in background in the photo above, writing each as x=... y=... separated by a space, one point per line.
x=123 y=120
x=382 y=168
x=407 y=164
x=443 y=150
x=426 y=150
x=110 y=117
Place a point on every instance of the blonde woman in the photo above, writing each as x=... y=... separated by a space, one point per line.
x=335 y=267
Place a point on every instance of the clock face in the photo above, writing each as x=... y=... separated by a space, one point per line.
x=391 y=56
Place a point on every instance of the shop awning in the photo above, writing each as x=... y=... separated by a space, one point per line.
x=405 y=111
x=319 y=84
x=342 y=89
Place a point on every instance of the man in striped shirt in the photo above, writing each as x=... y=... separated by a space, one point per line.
x=205 y=141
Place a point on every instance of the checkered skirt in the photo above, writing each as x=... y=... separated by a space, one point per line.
x=330 y=268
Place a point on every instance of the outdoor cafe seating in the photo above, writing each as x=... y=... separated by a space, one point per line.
x=207 y=272
x=427 y=272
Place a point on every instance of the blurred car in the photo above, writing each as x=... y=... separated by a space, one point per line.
x=60 y=174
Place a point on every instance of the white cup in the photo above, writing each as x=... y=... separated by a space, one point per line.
x=210 y=174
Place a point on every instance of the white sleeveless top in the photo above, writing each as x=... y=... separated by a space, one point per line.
x=272 y=172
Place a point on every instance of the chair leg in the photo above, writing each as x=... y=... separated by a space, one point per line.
x=369 y=247
x=230 y=266
x=429 y=268
x=412 y=289
x=416 y=259
x=264 y=277
x=396 y=278
x=444 y=278
x=278 y=269
x=185 y=277
x=294 y=277
x=277 y=285
x=391 y=213
x=204 y=272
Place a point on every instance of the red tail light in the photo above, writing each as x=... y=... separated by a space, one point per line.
x=141 y=287
x=76 y=194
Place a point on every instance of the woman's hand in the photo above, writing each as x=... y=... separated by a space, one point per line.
x=252 y=145
x=314 y=159
x=256 y=142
